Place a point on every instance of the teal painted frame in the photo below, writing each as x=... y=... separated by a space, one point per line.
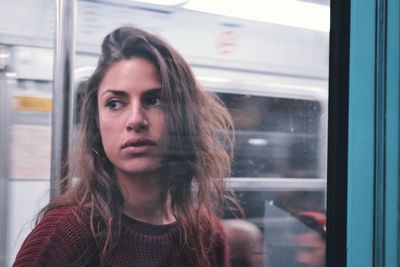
x=361 y=134
x=373 y=155
x=392 y=251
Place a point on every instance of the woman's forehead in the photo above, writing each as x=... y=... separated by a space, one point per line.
x=126 y=75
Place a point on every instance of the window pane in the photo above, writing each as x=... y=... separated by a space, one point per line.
x=272 y=74
x=275 y=137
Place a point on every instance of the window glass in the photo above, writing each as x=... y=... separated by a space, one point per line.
x=267 y=64
x=275 y=137
x=270 y=68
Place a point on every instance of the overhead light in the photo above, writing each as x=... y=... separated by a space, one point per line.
x=4 y=55
x=164 y=2
x=11 y=75
x=284 y=12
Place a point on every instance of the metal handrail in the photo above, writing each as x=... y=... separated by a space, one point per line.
x=5 y=110
x=62 y=92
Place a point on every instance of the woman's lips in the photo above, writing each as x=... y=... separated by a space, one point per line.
x=136 y=149
x=137 y=145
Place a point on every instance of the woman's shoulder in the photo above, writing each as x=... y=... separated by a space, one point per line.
x=62 y=223
x=61 y=212
x=61 y=234
x=64 y=218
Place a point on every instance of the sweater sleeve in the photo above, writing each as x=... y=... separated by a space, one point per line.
x=221 y=249
x=58 y=240
x=218 y=254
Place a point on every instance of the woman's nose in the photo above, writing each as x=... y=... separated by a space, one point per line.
x=137 y=120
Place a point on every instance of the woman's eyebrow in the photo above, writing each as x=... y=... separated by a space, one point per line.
x=115 y=92
x=152 y=91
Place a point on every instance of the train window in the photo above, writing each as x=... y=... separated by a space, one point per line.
x=269 y=68
x=273 y=78
x=275 y=137
x=278 y=144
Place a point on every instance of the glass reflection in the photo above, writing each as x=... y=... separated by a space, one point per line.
x=273 y=79
x=290 y=225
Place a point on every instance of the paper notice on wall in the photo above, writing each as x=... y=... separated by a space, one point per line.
x=30 y=152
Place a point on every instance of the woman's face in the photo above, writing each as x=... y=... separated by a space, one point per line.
x=132 y=117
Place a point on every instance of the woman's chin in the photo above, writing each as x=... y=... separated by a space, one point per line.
x=141 y=167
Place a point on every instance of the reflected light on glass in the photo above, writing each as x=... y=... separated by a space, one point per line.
x=212 y=79
x=284 y=12
x=290 y=86
x=257 y=141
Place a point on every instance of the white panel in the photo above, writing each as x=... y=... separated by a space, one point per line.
x=33 y=63
x=26 y=198
x=203 y=39
x=30 y=151
x=27 y=22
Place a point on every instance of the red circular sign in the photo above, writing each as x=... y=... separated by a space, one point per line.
x=227 y=42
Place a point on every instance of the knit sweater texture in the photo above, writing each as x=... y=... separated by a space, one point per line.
x=63 y=239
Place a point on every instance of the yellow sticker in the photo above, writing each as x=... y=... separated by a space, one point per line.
x=32 y=103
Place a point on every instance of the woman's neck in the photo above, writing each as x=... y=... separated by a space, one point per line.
x=145 y=199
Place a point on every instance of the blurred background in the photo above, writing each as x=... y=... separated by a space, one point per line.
x=266 y=59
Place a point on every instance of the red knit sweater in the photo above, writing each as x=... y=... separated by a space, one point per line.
x=60 y=239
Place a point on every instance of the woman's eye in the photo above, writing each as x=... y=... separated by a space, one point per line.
x=114 y=104
x=153 y=100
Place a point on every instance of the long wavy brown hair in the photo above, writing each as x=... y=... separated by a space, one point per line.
x=201 y=138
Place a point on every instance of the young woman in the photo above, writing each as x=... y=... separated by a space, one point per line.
x=151 y=158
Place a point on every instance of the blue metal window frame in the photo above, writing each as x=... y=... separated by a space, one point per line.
x=373 y=134
x=392 y=253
